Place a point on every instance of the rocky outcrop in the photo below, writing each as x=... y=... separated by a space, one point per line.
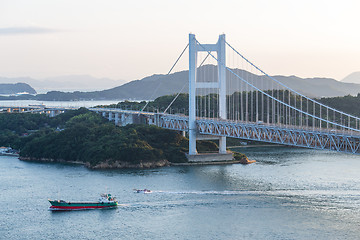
x=120 y=164
x=31 y=159
x=104 y=165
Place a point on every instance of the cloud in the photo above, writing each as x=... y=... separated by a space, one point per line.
x=25 y=30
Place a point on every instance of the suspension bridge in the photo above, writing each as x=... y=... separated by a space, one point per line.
x=225 y=100
x=230 y=96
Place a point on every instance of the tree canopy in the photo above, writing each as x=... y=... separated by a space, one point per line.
x=86 y=137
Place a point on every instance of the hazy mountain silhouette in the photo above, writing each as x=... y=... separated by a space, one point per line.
x=173 y=83
x=157 y=85
x=352 y=78
x=67 y=83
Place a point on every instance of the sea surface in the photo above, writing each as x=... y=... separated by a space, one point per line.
x=289 y=193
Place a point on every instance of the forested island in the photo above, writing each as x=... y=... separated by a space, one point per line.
x=81 y=136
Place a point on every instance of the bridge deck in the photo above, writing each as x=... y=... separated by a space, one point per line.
x=340 y=141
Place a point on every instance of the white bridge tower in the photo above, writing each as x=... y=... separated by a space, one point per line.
x=194 y=48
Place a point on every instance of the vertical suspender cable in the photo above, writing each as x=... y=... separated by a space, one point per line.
x=314 y=115
x=177 y=60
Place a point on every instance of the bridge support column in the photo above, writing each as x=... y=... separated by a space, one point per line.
x=123 y=119
x=104 y=114
x=192 y=94
x=222 y=145
x=116 y=118
x=222 y=87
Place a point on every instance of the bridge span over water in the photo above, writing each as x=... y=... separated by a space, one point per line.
x=229 y=96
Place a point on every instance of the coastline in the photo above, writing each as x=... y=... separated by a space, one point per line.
x=141 y=165
x=10 y=154
x=102 y=165
x=123 y=165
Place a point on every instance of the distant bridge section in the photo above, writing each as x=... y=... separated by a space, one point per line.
x=41 y=109
x=124 y=117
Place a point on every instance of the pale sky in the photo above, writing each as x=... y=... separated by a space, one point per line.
x=132 y=39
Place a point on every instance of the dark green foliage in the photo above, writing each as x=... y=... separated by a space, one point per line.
x=15 y=128
x=239 y=156
x=22 y=122
x=180 y=105
x=61 y=119
x=88 y=138
x=206 y=146
x=82 y=135
x=347 y=104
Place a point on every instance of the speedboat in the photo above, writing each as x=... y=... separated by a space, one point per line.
x=142 y=190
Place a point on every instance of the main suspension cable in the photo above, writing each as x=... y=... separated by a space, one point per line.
x=177 y=95
x=177 y=60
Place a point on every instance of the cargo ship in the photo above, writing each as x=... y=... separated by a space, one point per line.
x=105 y=201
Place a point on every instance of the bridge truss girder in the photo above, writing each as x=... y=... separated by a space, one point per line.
x=173 y=122
x=286 y=136
x=264 y=133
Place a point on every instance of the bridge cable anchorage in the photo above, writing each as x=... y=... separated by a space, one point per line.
x=177 y=60
x=177 y=95
x=312 y=100
x=279 y=101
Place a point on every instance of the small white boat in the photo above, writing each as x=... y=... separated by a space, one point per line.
x=142 y=190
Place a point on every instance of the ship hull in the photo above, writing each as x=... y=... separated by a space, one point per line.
x=62 y=205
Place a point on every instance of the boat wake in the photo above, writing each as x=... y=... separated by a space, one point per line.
x=238 y=192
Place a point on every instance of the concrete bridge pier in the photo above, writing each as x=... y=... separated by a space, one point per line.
x=104 y=114
x=116 y=119
x=110 y=116
x=123 y=117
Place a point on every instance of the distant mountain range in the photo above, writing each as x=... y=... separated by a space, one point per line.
x=68 y=83
x=154 y=86
x=16 y=88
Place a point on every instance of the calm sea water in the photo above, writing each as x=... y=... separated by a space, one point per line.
x=287 y=194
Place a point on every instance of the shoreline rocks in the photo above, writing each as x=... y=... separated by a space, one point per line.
x=110 y=164
x=103 y=165
x=120 y=165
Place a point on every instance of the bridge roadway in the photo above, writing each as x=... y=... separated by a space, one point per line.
x=324 y=139
x=41 y=109
x=340 y=141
